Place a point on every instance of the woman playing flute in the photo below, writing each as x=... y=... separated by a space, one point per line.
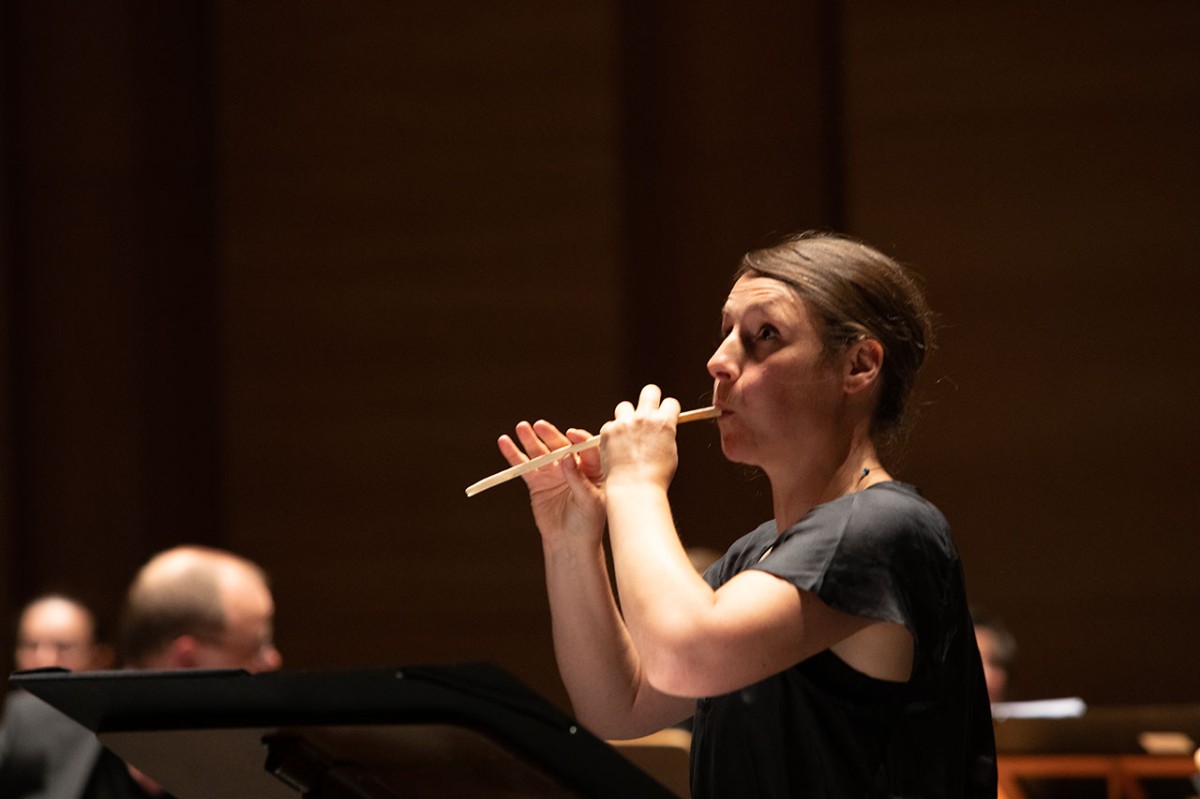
x=829 y=652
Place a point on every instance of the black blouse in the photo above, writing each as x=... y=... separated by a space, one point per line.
x=823 y=729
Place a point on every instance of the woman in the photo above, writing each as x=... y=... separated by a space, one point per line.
x=829 y=652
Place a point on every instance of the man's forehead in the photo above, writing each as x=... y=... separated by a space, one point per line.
x=55 y=611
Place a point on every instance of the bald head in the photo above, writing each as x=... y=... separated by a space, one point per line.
x=196 y=607
x=56 y=630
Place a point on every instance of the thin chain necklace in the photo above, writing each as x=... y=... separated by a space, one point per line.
x=863 y=476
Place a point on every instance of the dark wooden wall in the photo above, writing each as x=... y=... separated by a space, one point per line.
x=276 y=276
x=110 y=293
x=1038 y=162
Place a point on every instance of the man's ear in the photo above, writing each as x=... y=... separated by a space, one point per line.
x=864 y=361
x=182 y=653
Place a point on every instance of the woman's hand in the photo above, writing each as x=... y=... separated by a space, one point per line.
x=638 y=445
x=567 y=496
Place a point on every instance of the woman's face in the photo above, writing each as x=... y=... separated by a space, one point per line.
x=772 y=383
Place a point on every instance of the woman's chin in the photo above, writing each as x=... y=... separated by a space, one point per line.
x=735 y=451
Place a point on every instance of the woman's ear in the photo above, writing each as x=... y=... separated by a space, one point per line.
x=864 y=361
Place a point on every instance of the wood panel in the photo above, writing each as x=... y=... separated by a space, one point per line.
x=419 y=249
x=509 y=215
x=9 y=597
x=1039 y=165
x=107 y=293
x=731 y=139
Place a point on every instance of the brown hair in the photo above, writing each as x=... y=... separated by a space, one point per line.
x=857 y=292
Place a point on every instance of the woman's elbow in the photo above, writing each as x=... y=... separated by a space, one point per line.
x=673 y=666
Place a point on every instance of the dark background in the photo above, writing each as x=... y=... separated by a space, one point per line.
x=277 y=274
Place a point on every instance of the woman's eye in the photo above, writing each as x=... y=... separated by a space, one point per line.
x=767 y=333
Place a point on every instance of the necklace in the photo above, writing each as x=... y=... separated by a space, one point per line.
x=866 y=470
x=862 y=476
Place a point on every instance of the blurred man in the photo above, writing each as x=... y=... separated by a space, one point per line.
x=53 y=630
x=56 y=630
x=998 y=650
x=189 y=607
x=199 y=608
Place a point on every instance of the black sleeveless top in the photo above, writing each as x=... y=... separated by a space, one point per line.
x=823 y=729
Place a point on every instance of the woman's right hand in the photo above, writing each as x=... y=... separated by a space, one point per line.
x=567 y=496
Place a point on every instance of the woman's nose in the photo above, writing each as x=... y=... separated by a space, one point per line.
x=723 y=363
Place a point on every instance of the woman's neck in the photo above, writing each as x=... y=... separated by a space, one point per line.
x=848 y=469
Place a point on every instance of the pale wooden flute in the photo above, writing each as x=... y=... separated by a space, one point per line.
x=550 y=457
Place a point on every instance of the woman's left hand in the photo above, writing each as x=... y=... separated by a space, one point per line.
x=566 y=496
x=638 y=445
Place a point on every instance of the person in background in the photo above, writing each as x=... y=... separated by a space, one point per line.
x=199 y=608
x=53 y=630
x=58 y=630
x=998 y=649
x=188 y=607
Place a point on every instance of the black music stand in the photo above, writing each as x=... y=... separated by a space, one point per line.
x=448 y=732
